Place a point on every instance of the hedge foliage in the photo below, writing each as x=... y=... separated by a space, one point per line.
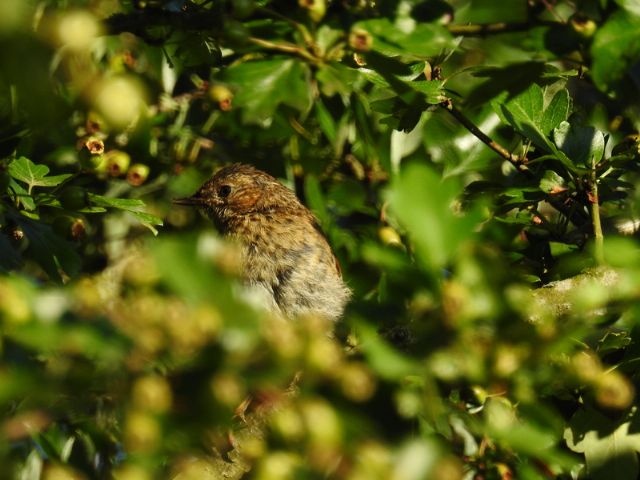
x=473 y=163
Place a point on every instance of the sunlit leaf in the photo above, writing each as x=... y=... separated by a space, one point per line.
x=34 y=175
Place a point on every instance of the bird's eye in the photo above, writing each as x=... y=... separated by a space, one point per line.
x=224 y=191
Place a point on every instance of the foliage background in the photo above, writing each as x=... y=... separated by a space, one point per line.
x=458 y=155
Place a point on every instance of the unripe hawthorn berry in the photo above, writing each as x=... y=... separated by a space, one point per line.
x=137 y=174
x=222 y=95
x=360 y=40
x=315 y=8
x=117 y=162
x=583 y=26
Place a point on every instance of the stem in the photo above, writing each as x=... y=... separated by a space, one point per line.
x=516 y=160
x=595 y=218
x=575 y=216
x=480 y=29
x=308 y=38
x=285 y=47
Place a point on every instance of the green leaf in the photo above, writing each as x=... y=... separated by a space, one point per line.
x=551 y=182
x=432 y=89
x=34 y=175
x=52 y=252
x=265 y=84
x=121 y=203
x=325 y=121
x=583 y=145
x=9 y=256
x=556 y=112
x=315 y=199
x=422 y=202
x=22 y=196
x=523 y=112
x=129 y=205
x=336 y=78
x=631 y=6
x=610 y=447
x=616 y=46
x=384 y=359
x=420 y=41
x=527 y=115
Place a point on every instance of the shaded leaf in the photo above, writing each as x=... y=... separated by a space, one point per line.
x=9 y=257
x=616 y=46
x=52 y=252
x=423 y=40
x=384 y=359
x=583 y=145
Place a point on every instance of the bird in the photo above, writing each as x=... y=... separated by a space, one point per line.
x=284 y=253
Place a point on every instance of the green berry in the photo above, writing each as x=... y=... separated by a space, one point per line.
x=117 y=162
x=73 y=198
x=69 y=227
x=243 y=8
x=583 y=26
x=315 y=8
x=137 y=174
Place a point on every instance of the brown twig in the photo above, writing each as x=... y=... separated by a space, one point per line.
x=285 y=47
x=480 y=29
x=517 y=161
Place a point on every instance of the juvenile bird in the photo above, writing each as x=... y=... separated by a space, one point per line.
x=284 y=252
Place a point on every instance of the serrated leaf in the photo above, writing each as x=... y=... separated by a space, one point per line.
x=526 y=114
x=610 y=447
x=265 y=84
x=556 y=112
x=34 y=175
x=523 y=112
x=583 y=145
x=423 y=40
x=432 y=89
x=335 y=78
x=22 y=196
x=130 y=205
x=147 y=220
x=121 y=203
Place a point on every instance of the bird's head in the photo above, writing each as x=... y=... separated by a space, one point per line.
x=237 y=190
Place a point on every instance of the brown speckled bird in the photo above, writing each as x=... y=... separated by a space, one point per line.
x=284 y=252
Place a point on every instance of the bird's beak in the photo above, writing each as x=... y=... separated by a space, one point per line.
x=189 y=201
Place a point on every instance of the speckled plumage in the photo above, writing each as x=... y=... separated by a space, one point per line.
x=283 y=249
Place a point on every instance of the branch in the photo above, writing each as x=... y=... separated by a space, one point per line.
x=480 y=29
x=558 y=298
x=138 y=22
x=285 y=47
x=517 y=161
x=595 y=218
